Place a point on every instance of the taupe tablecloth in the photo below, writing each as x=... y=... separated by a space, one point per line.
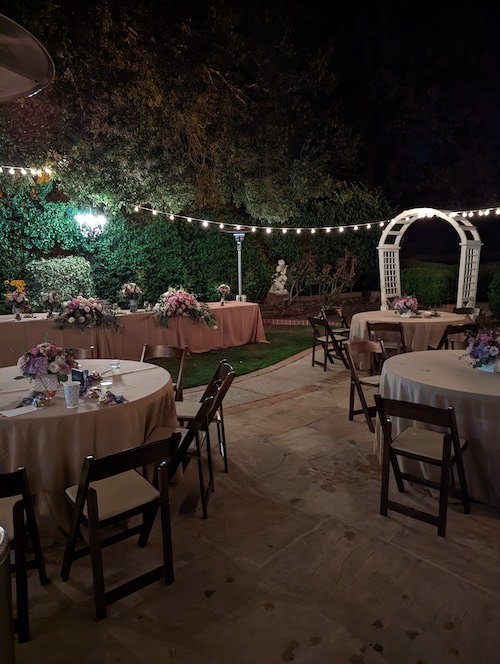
x=52 y=442
x=446 y=378
x=419 y=332
x=238 y=323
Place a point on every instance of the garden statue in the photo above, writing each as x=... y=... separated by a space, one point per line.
x=279 y=279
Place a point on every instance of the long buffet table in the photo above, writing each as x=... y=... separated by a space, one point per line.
x=238 y=323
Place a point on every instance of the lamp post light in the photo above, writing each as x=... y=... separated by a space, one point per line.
x=90 y=224
x=239 y=237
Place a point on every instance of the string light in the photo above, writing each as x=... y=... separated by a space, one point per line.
x=311 y=229
x=24 y=170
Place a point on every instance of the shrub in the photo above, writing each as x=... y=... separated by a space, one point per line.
x=486 y=273
x=494 y=295
x=69 y=276
x=431 y=284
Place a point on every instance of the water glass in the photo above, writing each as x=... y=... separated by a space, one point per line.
x=71 y=393
x=115 y=366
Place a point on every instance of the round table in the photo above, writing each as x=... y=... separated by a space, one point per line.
x=445 y=378
x=420 y=331
x=52 y=442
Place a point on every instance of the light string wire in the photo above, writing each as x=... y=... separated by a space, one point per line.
x=247 y=228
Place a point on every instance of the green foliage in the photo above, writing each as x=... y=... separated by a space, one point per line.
x=486 y=273
x=69 y=276
x=432 y=284
x=494 y=296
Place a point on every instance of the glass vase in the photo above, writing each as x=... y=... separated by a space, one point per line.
x=47 y=384
x=222 y=301
x=133 y=306
x=17 y=312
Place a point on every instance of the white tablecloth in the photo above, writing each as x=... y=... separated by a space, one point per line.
x=446 y=378
x=52 y=442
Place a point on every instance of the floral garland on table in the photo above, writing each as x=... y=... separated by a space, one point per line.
x=178 y=302
x=83 y=312
x=131 y=291
x=46 y=358
x=484 y=348
x=407 y=305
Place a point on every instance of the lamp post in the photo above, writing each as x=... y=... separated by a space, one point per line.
x=239 y=237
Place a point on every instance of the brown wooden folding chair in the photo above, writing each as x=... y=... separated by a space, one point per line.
x=442 y=450
x=110 y=491
x=17 y=516
x=169 y=353
x=455 y=334
x=325 y=338
x=354 y=351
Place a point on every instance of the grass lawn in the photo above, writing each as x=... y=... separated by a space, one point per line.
x=284 y=341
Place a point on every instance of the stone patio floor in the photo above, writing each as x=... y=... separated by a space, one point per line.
x=294 y=563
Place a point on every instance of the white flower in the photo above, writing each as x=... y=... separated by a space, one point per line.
x=494 y=351
x=53 y=367
x=71 y=320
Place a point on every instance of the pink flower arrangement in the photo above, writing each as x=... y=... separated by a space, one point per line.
x=46 y=358
x=131 y=290
x=86 y=312
x=406 y=305
x=19 y=299
x=178 y=302
x=223 y=289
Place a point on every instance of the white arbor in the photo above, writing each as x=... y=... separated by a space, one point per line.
x=389 y=248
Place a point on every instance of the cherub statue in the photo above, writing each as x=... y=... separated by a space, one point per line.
x=279 y=279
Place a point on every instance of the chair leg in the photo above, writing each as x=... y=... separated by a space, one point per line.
x=443 y=498
x=366 y=410
x=166 y=528
x=314 y=352
x=397 y=471
x=23 y=628
x=222 y=438
x=96 y=556
x=69 y=549
x=37 y=547
x=464 y=492
x=200 y=477
x=351 y=401
x=211 y=487
x=148 y=519
x=384 y=488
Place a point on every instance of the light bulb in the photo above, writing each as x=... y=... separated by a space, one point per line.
x=368 y=226
x=221 y=226
x=11 y=171
x=298 y=231
x=253 y=229
x=284 y=230
x=155 y=212
x=171 y=217
x=313 y=230
x=268 y=231
x=189 y=220
x=328 y=230
x=136 y=208
x=205 y=223
x=341 y=229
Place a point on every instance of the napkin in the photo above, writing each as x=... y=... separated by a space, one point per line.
x=12 y=412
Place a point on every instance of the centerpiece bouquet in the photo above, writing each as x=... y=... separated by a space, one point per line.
x=223 y=290
x=131 y=291
x=407 y=306
x=484 y=350
x=17 y=297
x=50 y=301
x=178 y=302
x=47 y=364
x=85 y=312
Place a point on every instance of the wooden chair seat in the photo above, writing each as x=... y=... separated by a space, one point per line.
x=7 y=514
x=118 y=494
x=373 y=381
x=417 y=441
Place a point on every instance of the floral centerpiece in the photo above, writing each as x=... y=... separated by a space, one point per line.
x=178 y=302
x=223 y=290
x=85 y=312
x=17 y=297
x=47 y=364
x=131 y=291
x=484 y=350
x=407 y=306
x=50 y=301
